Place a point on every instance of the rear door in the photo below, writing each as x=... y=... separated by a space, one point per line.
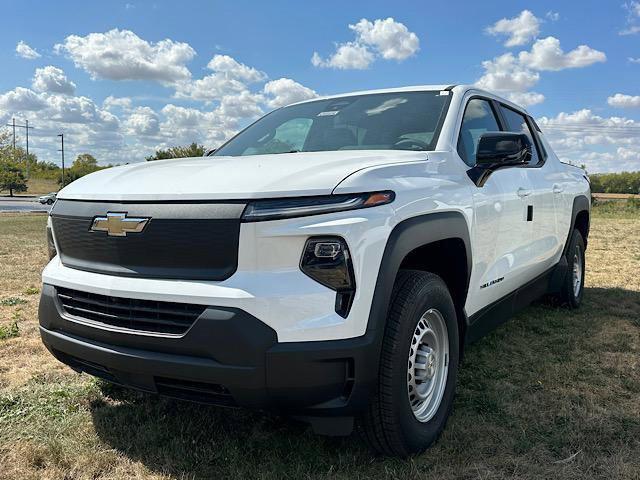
x=501 y=234
x=542 y=177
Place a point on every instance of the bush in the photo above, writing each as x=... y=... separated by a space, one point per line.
x=624 y=182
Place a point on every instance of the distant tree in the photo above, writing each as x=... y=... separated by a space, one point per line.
x=12 y=178
x=193 y=150
x=85 y=161
x=84 y=164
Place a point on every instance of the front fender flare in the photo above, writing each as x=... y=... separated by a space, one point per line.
x=405 y=237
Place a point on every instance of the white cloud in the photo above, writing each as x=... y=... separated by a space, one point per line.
x=386 y=38
x=603 y=144
x=519 y=30
x=348 y=56
x=240 y=106
x=546 y=54
x=143 y=121
x=630 y=30
x=79 y=110
x=22 y=99
x=624 y=101
x=234 y=69
x=634 y=60
x=553 y=16
x=526 y=99
x=389 y=38
x=52 y=79
x=285 y=91
x=633 y=17
x=122 y=55
x=112 y=102
x=229 y=77
x=515 y=75
x=506 y=74
x=25 y=51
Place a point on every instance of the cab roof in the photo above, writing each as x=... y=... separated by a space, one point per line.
x=460 y=89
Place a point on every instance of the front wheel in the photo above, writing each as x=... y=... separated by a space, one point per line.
x=418 y=367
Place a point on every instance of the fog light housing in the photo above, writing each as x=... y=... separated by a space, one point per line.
x=327 y=260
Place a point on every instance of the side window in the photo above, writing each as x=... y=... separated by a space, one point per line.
x=516 y=122
x=478 y=119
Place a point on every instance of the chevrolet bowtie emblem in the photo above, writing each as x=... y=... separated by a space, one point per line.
x=118 y=224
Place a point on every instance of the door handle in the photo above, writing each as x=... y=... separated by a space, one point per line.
x=523 y=192
x=558 y=188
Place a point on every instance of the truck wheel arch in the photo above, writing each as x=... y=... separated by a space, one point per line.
x=580 y=219
x=407 y=237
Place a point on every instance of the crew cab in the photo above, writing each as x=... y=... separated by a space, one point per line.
x=329 y=262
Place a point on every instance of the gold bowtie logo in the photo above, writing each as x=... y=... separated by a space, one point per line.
x=118 y=224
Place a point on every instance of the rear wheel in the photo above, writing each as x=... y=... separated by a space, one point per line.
x=573 y=287
x=418 y=367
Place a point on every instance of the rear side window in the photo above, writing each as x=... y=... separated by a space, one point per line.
x=478 y=118
x=516 y=122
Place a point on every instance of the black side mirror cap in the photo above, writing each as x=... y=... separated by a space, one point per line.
x=498 y=150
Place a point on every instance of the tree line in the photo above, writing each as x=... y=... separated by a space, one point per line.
x=623 y=182
x=14 y=165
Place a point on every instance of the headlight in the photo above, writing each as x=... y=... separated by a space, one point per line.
x=302 y=206
x=51 y=246
x=327 y=260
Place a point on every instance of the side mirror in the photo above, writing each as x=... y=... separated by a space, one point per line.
x=498 y=150
x=209 y=152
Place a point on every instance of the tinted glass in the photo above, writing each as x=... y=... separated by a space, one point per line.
x=397 y=121
x=517 y=123
x=478 y=119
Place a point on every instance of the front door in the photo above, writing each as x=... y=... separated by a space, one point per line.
x=502 y=228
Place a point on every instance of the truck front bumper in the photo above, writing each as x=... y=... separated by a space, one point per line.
x=227 y=357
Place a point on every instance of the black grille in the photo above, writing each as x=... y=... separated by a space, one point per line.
x=130 y=313
x=180 y=241
x=200 y=392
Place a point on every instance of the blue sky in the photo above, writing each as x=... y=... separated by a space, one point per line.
x=123 y=78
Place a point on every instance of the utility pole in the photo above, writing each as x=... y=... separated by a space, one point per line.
x=61 y=135
x=26 y=127
x=13 y=125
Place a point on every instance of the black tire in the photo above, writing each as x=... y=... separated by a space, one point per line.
x=575 y=252
x=49 y=202
x=389 y=425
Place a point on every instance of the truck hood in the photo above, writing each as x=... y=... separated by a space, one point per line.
x=220 y=178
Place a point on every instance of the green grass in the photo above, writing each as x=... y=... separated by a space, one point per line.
x=629 y=208
x=12 y=301
x=10 y=331
x=553 y=393
x=41 y=186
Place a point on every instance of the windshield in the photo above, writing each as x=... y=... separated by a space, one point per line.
x=397 y=121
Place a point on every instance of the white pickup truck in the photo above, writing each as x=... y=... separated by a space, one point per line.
x=329 y=262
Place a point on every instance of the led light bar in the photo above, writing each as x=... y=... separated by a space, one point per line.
x=275 y=209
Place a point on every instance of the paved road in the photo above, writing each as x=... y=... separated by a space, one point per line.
x=8 y=204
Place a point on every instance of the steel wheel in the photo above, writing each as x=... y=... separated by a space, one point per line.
x=577 y=272
x=428 y=365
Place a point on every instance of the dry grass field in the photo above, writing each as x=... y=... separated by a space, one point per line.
x=551 y=394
